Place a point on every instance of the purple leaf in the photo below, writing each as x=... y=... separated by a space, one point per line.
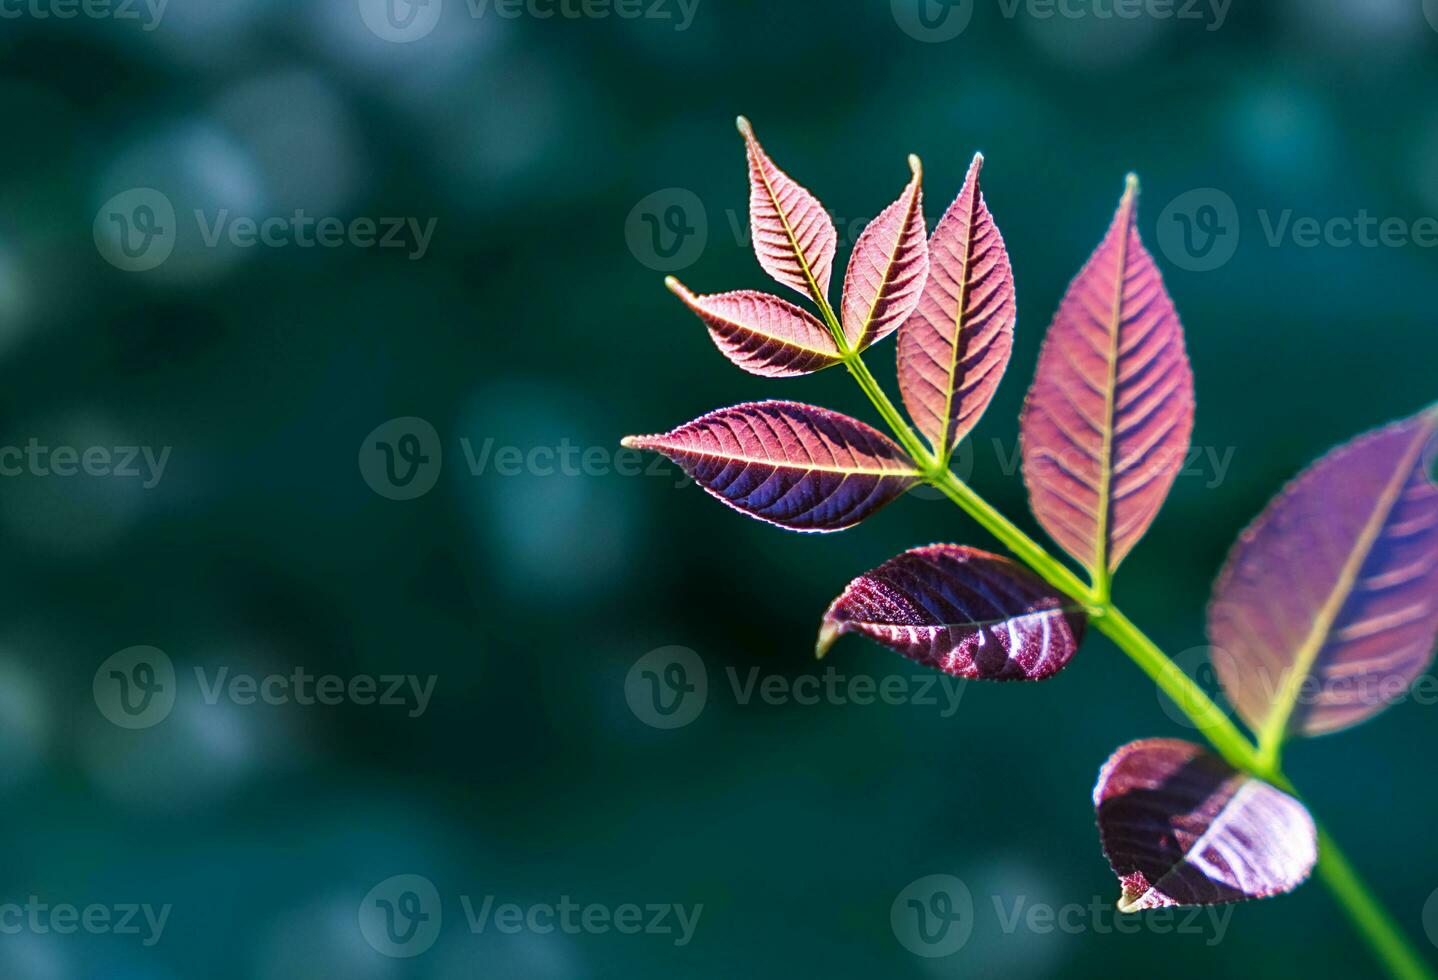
x=1181 y=827
x=1107 y=421
x=1328 y=605
x=762 y=334
x=962 y=610
x=887 y=268
x=794 y=237
x=954 y=349
x=798 y=466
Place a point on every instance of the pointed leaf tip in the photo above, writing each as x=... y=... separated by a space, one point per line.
x=674 y=286
x=915 y=167
x=763 y=334
x=741 y=123
x=1130 y=185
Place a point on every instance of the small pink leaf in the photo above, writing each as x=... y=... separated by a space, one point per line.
x=1181 y=827
x=1327 y=608
x=794 y=237
x=888 y=267
x=962 y=610
x=954 y=349
x=762 y=334
x=794 y=465
x=1107 y=422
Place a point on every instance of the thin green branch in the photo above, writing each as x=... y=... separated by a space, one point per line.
x=1369 y=917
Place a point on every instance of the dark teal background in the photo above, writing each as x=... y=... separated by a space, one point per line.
x=530 y=321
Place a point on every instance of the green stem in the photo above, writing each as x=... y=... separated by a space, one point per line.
x=1370 y=919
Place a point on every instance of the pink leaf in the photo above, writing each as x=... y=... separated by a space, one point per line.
x=762 y=334
x=1107 y=422
x=794 y=237
x=962 y=610
x=1327 y=608
x=1181 y=827
x=887 y=268
x=954 y=349
x=798 y=466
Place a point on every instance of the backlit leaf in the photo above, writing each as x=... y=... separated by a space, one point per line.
x=794 y=465
x=962 y=610
x=1327 y=608
x=887 y=268
x=955 y=347
x=794 y=237
x=1181 y=827
x=762 y=334
x=1107 y=422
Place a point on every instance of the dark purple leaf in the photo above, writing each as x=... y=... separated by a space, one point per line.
x=1181 y=827
x=1107 y=421
x=962 y=610
x=763 y=334
x=954 y=349
x=794 y=237
x=1327 y=608
x=887 y=268
x=798 y=466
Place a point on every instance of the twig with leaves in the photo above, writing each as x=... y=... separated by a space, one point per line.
x=1327 y=605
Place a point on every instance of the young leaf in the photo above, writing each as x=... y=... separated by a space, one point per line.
x=1106 y=424
x=1328 y=605
x=887 y=268
x=954 y=349
x=962 y=610
x=794 y=237
x=1180 y=826
x=762 y=334
x=797 y=466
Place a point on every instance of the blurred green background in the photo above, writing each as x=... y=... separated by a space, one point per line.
x=550 y=153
